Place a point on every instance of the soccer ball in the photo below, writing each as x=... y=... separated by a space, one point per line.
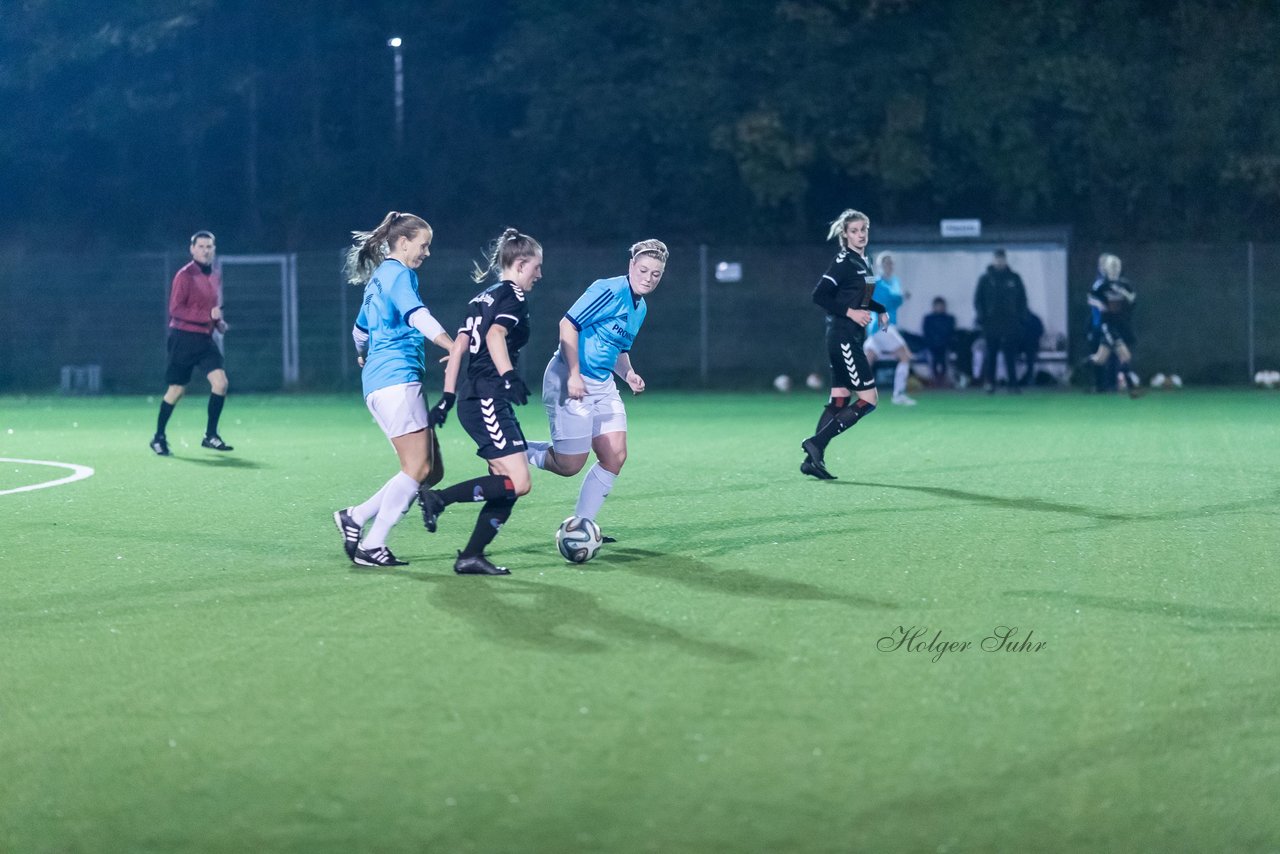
x=1176 y=381
x=813 y=381
x=1159 y=380
x=782 y=383
x=578 y=539
x=1267 y=379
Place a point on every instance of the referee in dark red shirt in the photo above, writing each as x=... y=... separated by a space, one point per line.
x=195 y=313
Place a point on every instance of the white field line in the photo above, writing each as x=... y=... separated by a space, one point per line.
x=77 y=473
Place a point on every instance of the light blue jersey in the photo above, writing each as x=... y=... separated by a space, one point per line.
x=607 y=320
x=889 y=294
x=395 y=347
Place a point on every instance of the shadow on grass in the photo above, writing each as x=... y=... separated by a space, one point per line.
x=691 y=572
x=1197 y=617
x=739 y=582
x=1039 y=505
x=553 y=617
x=221 y=462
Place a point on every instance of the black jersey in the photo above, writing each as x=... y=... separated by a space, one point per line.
x=502 y=304
x=1113 y=298
x=848 y=283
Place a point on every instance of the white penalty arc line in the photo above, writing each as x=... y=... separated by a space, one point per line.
x=77 y=473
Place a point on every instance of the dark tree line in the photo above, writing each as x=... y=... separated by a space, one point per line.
x=127 y=122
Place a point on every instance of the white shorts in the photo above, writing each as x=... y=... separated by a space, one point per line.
x=574 y=423
x=885 y=343
x=398 y=409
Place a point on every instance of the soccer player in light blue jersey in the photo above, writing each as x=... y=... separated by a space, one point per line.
x=885 y=342
x=389 y=334
x=578 y=390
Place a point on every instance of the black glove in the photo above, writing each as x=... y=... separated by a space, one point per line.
x=440 y=412
x=514 y=389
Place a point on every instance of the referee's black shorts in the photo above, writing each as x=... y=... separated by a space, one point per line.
x=188 y=351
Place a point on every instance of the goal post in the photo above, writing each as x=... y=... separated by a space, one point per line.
x=259 y=320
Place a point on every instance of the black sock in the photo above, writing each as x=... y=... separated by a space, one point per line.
x=166 y=409
x=495 y=512
x=845 y=418
x=215 y=412
x=487 y=488
x=829 y=411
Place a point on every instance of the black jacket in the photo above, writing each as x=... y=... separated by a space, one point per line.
x=1000 y=302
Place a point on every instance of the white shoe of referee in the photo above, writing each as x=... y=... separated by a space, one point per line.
x=902 y=399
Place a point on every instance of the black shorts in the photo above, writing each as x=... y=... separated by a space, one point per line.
x=849 y=366
x=1111 y=333
x=188 y=351
x=491 y=423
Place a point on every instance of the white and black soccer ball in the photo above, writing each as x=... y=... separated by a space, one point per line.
x=1159 y=381
x=1267 y=379
x=578 y=539
x=782 y=383
x=1175 y=381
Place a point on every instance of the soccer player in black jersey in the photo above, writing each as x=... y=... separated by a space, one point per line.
x=496 y=327
x=845 y=293
x=1111 y=300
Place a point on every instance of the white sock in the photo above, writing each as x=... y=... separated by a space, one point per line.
x=396 y=497
x=595 y=486
x=536 y=452
x=900 y=379
x=362 y=513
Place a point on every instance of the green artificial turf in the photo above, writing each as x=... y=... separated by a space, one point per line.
x=189 y=662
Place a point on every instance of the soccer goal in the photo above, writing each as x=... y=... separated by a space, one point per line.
x=260 y=298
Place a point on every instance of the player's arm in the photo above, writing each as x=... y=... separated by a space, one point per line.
x=577 y=389
x=513 y=388
x=496 y=340
x=422 y=320
x=454 y=364
x=360 y=337
x=1096 y=302
x=439 y=413
x=622 y=367
x=880 y=310
x=824 y=296
x=406 y=300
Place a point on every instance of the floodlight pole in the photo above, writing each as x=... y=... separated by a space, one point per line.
x=397 y=51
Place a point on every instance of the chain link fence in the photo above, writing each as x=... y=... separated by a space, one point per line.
x=1210 y=313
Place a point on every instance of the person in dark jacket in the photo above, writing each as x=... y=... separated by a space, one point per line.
x=1032 y=332
x=939 y=329
x=1000 y=303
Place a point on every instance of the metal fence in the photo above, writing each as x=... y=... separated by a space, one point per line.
x=1210 y=313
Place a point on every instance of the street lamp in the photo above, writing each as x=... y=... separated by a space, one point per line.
x=396 y=45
